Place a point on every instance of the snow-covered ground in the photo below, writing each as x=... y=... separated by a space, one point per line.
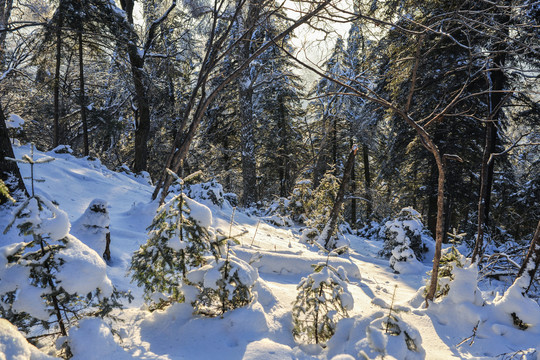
x=467 y=324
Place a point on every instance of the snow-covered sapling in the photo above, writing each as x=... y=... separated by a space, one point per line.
x=209 y=191
x=450 y=259
x=300 y=197
x=323 y=299
x=391 y=332
x=51 y=273
x=403 y=238
x=225 y=283
x=93 y=228
x=222 y=285
x=179 y=240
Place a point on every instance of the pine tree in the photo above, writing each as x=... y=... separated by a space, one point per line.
x=323 y=299
x=177 y=244
x=38 y=274
x=224 y=284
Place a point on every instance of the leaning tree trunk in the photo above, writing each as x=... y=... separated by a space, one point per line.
x=340 y=197
x=532 y=259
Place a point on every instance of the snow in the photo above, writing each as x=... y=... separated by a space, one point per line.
x=200 y=213
x=87 y=265
x=92 y=227
x=13 y=345
x=14 y=122
x=261 y=330
x=89 y=332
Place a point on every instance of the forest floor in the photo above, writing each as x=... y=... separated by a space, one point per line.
x=470 y=323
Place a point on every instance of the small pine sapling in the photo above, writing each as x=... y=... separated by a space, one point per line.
x=38 y=275
x=450 y=259
x=177 y=243
x=51 y=274
x=225 y=283
x=298 y=203
x=321 y=203
x=323 y=299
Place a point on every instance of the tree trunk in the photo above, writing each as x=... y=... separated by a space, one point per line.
x=245 y=85
x=432 y=200
x=82 y=94
x=5 y=13
x=142 y=115
x=56 y=84
x=284 y=150
x=9 y=171
x=497 y=81
x=367 y=181
x=249 y=166
x=353 y=218
x=439 y=227
x=532 y=259
x=340 y=197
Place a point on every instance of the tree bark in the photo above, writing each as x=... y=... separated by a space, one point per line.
x=353 y=218
x=340 y=197
x=82 y=94
x=367 y=181
x=9 y=171
x=284 y=150
x=532 y=259
x=56 y=85
x=245 y=84
x=497 y=81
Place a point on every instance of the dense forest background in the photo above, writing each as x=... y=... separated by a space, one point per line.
x=440 y=96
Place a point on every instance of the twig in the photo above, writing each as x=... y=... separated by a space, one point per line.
x=391 y=307
x=472 y=337
x=257 y=228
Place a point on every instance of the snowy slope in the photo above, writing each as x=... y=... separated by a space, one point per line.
x=263 y=329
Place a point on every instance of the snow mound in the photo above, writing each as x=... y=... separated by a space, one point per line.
x=92 y=331
x=93 y=225
x=83 y=269
x=13 y=345
x=376 y=336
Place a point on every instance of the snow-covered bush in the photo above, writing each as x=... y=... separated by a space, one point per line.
x=277 y=213
x=208 y=191
x=92 y=228
x=223 y=284
x=403 y=238
x=323 y=299
x=51 y=274
x=299 y=200
x=390 y=332
x=179 y=240
x=517 y=307
x=321 y=203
